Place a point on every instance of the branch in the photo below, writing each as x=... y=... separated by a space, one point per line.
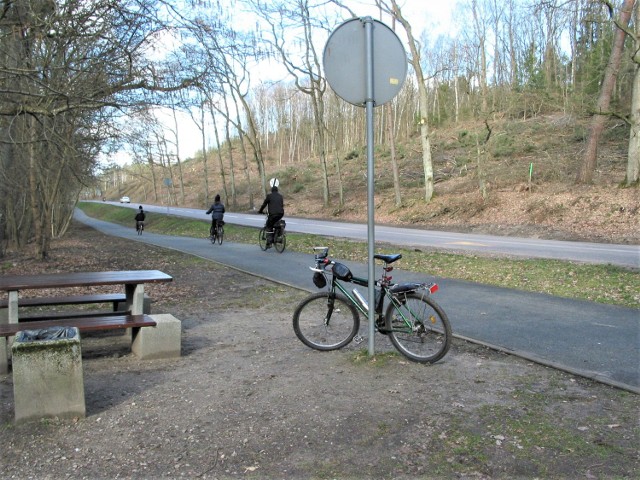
x=624 y=118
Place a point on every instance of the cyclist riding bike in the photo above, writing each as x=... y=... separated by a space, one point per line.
x=274 y=203
x=217 y=213
x=140 y=216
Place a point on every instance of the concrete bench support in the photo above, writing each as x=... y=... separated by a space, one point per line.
x=162 y=341
x=4 y=356
x=48 y=378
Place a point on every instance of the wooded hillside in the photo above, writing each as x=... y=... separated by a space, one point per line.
x=523 y=95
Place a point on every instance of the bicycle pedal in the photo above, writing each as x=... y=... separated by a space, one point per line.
x=358 y=339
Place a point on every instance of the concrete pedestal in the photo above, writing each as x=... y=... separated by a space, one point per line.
x=162 y=341
x=47 y=376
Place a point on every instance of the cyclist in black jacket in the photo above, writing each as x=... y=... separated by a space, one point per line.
x=140 y=217
x=274 y=203
x=217 y=211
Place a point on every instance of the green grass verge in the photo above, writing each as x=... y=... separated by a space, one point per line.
x=598 y=283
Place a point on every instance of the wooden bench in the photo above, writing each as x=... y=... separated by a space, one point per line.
x=116 y=299
x=84 y=324
x=113 y=298
x=159 y=341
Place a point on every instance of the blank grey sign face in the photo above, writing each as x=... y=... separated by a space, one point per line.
x=345 y=62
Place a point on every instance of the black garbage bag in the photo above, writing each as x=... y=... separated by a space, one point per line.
x=50 y=333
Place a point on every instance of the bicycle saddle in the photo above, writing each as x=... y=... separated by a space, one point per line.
x=388 y=258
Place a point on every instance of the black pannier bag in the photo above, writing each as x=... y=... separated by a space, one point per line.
x=341 y=271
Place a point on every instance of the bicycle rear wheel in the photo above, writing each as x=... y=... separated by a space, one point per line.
x=325 y=323
x=220 y=234
x=280 y=242
x=262 y=239
x=418 y=328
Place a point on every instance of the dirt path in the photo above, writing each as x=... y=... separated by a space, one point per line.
x=248 y=400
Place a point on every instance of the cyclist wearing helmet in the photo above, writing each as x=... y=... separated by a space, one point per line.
x=274 y=203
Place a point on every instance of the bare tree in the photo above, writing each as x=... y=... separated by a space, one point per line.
x=601 y=113
x=633 y=156
x=64 y=74
x=427 y=163
x=284 y=17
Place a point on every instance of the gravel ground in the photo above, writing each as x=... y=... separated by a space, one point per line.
x=248 y=400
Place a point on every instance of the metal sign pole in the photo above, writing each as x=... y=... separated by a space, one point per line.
x=368 y=28
x=383 y=67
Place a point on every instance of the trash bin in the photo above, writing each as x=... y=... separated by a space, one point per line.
x=47 y=374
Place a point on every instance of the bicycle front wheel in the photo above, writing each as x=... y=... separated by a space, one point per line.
x=220 y=234
x=325 y=322
x=418 y=327
x=280 y=242
x=262 y=239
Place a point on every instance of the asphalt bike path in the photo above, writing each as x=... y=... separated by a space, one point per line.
x=589 y=339
x=603 y=253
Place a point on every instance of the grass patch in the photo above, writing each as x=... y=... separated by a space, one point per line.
x=379 y=360
x=606 y=284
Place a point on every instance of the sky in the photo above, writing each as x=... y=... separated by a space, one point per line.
x=431 y=16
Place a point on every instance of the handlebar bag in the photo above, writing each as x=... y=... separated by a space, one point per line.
x=341 y=271
x=319 y=280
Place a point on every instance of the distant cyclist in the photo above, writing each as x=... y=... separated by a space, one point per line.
x=217 y=213
x=274 y=203
x=140 y=216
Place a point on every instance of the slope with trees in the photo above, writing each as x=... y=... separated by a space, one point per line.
x=69 y=80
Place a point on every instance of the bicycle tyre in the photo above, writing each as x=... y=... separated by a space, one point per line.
x=262 y=239
x=428 y=338
x=280 y=242
x=220 y=234
x=310 y=326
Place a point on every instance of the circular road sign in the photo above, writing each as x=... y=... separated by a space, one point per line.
x=345 y=62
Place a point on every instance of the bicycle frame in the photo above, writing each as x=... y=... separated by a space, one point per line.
x=382 y=286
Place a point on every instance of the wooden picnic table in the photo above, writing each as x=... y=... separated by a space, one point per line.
x=133 y=281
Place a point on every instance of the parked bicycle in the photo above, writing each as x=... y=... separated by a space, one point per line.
x=277 y=237
x=216 y=232
x=416 y=325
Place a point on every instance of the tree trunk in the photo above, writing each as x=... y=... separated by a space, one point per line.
x=589 y=161
x=633 y=161
x=205 y=167
x=394 y=160
x=36 y=208
x=180 y=176
x=427 y=164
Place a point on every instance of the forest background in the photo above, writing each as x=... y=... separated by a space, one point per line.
x=525 y=122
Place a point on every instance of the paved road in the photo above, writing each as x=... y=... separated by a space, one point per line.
x=624 y=255
x=588 y=339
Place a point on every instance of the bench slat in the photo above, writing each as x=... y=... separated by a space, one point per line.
x=68 y=300
x=84 y=324
x=65 y=315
